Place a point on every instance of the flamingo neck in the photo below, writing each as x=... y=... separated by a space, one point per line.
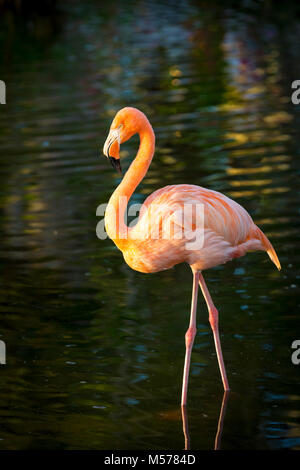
x=115 y=225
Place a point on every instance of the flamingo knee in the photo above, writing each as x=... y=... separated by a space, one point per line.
x=214 y=318
x=190 y=336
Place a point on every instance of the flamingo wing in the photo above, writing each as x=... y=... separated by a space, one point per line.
x=228 y=229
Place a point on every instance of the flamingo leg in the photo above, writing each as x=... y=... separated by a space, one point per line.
x=214 y=323
x=189 y=338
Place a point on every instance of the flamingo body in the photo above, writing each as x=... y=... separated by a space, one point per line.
x=229 y=231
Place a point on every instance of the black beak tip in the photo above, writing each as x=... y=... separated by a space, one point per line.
x=116 y=164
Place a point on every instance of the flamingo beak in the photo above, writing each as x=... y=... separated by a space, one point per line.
x=111 y=148
x=116 y=164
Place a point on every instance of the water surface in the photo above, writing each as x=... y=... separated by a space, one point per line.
x=95 y=350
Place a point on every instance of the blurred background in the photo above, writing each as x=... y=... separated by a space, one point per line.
x=95 y=350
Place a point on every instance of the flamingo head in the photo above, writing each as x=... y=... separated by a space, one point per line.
x=126 y=123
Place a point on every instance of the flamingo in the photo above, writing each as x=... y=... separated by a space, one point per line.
x=227 y=229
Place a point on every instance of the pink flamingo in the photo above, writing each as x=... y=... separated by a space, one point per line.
x=228 y=230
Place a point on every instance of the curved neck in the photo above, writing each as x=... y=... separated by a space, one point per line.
x=115 y=226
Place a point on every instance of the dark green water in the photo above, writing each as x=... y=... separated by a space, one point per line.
x=95 y=350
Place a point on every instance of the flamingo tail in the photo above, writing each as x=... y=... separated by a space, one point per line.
x=269 y=248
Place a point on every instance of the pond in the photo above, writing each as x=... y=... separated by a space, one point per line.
x=95 y=350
